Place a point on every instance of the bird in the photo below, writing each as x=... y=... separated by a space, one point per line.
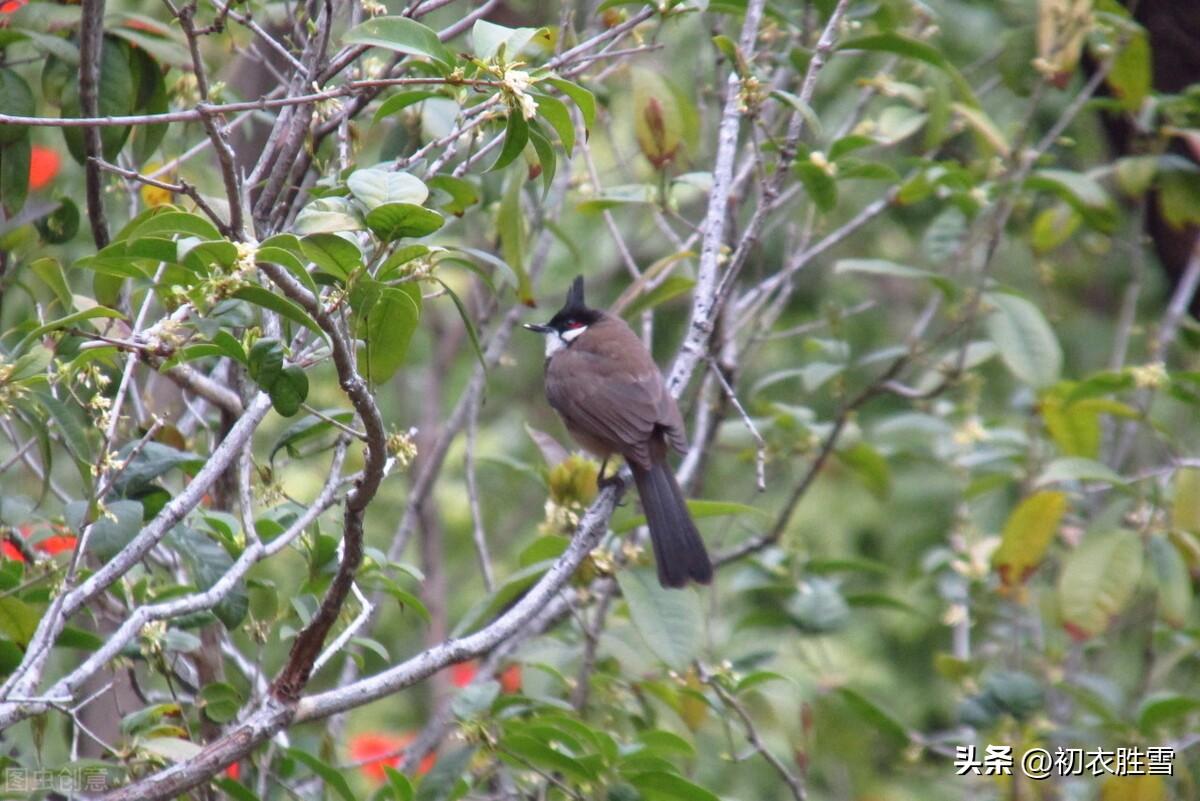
x=604 y=384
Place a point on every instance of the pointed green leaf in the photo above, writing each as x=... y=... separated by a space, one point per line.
x=670 y=621
x=1097 y=580
x=402 y=35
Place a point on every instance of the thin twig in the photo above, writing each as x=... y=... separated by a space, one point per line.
x=760 y=452
x=790 y=779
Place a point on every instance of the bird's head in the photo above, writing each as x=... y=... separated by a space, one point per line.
x=571 y=321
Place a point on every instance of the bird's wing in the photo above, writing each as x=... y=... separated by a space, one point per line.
x=614 y=392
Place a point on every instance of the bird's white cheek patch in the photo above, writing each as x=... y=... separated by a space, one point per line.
x=556 y=342
x=572 y=333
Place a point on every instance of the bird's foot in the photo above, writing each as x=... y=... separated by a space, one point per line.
x=604 y=482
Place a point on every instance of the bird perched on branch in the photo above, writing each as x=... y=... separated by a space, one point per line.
x=608 y=391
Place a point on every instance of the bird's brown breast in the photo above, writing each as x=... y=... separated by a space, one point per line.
x=611 y=395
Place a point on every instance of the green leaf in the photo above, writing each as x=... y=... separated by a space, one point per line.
x=804 y=110
x=334 y=254
x=900 y=45
x=1027 y=534
x=327 y=773
x=511 y=226
x=1161 y=710
x=117 y=97
x=547 y=162
x=475 y=699
x=387 y=327
x=1081 y=191
x=507 y=273
x=1027 y=343
x=819 y=185
x=16 y=99
x=583 y=99
x=490 y=40
x=14 y=175
x=1053 y=226
x=402 y=35
x=880 y=267
x=18 y=620
x=673 y=287
x=439 y=783
x=66 y=322
x=397 y=103
x=1172 y=581
x=614 y=196
x=173 y=223
x=152 y=460
x=66 y=423
x=535 y=752
x=59 y=226
x=306 y=428
x=1135 y=174
x=670 y=622
x=1077 y=468
x=1013 y=692
x=407 y=600
x=51 y=274
x=461 y=192
x=235 y=790
x=818 y=607
x=875 y=714
x=1097 y=580
x=1179 y=198
x=516 y=135
x=402 y=789
x=466 y=318
x=1130 y=75
x=152 y=37
x=328 y=215
x=265 y=361
x=174 y=749
x=659 y=785
x=555 y=112
x=280 y=305
x=80 y=639
x=289 y=391
x=393 y=221
x=699 y=509
x=376 y=186
x=220 y=701
x=148 y=138
x=870 y=466
x=112 y=531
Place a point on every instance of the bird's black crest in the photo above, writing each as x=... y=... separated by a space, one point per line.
x=575 y=296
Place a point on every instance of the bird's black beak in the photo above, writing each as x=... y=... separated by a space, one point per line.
x=541 y=329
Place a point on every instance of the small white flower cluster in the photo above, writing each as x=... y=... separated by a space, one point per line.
x=517 y=84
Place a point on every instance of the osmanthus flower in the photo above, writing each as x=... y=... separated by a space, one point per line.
x=377 y=750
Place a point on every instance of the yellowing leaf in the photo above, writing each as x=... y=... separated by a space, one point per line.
x=1027 y=534
x=1133 y=788
x=1061 y=26
x=1185 y=510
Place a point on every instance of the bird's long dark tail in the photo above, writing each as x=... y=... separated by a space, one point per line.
x=678 y=550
